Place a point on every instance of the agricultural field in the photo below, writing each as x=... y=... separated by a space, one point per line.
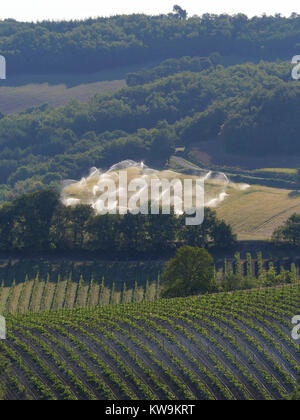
x=42 y=294
x=115 y=271
x=226 y=346
x=289 y=171
x=23 y=91
x=256 y=212
x=14 y=99
x=213 y=152
x=108 y=283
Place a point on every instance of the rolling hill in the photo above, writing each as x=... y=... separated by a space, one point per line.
x=20 y=92
x=256 y=212
x=19 y=98
x=234 y=346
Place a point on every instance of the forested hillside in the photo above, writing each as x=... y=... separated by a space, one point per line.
x=195 y=96
x=45 y=145
x=95 y=44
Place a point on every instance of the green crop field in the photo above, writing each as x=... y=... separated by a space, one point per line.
x=278 y=170
x=234 y=346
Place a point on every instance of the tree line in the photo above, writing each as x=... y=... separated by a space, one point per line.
x=192 y=271
x=39 y=222
x=289 y=232
x=173 y=66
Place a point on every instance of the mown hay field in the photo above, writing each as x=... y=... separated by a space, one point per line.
x=254 y=213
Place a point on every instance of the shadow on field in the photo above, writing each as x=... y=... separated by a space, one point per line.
x=294 y=194
x=73 y=79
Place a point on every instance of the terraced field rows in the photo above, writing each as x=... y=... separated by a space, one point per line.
x=42 y=295
x=233 y=346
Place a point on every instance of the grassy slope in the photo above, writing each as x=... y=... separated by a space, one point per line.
x=257 y=211
x=225 y=346
x=213 y=153
x=20 y=92
x=14 y=99
x=278 y=170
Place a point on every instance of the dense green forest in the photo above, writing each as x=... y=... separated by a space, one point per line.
x=95 y=44
x=173 y=66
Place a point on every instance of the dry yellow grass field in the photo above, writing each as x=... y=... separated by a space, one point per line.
x=15 y=99
x=255 y=213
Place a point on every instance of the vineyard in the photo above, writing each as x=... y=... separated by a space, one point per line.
x=58 y=290
x=38 y=294
x=117 y=271
x=225 y=346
